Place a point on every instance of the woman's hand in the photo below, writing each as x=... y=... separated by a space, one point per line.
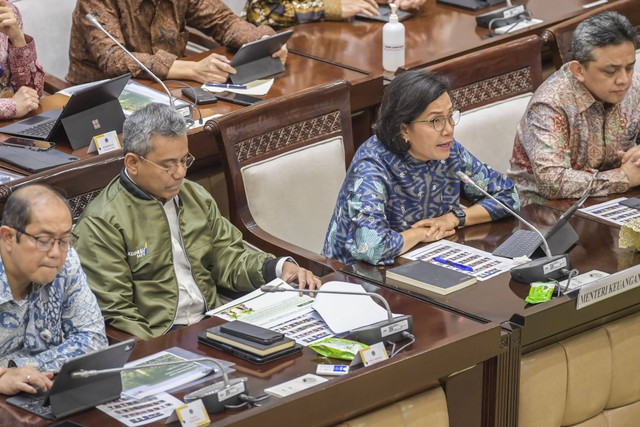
x=437 y=228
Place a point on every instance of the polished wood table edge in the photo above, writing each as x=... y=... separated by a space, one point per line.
x=384 y=383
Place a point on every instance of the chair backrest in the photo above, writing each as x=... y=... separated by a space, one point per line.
x=81 y=181
x=560 y=36
x=492 y=87
x=49 y=23
x=285 y=160
x=428 y=408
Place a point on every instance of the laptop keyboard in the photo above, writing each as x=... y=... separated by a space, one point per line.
x=34 y=404
x=41 y=131
x=520 y=243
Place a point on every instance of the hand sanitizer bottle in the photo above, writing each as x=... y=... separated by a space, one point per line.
x=393 y=42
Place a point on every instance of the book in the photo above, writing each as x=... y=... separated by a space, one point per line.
x=419 y=276
x=216 y=334
x=245 y=355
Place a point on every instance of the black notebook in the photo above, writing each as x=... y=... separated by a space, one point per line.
x=245 y=355
x=419 y=276
x=246 y=344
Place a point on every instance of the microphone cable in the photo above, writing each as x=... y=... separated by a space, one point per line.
x=411 y=339
x=573 y=273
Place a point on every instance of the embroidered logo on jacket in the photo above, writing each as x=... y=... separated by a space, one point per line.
x=139 y=253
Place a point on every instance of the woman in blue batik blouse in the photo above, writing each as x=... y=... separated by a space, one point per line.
x=401 y=188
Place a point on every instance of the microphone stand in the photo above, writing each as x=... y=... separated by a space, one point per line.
x=391 y=330
x=548 y=267
x=94 y=22
x=235 y=390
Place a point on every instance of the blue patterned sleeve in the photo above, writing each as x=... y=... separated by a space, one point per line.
x=373 y=240
x=493 y=182
x=79 y=328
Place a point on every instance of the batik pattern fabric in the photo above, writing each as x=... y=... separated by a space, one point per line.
x=285 y=13
x=155 y=31
x=567 y=138
x=385 y=193
x=19 y=67
x=56 y=322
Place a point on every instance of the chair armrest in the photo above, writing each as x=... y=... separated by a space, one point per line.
x=116 y=335
x=316 y=263
x=53 y=84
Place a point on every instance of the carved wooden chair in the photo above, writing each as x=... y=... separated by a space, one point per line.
x=492 y=88
x=285 y=161
x=559 y=37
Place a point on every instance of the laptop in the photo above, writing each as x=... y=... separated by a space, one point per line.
x=560 y=237
x=70 y=395
x=90 y=111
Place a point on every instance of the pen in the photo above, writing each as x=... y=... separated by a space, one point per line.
x=452 y=264
x=226 y=85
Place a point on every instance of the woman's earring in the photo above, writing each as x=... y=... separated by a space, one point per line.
x=406 y=141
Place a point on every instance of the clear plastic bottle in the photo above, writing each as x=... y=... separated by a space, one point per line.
x=393 y=42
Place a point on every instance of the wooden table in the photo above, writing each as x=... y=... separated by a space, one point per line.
x=445 y=343
x=300 y=73
x=501 y=299
x=436 y=33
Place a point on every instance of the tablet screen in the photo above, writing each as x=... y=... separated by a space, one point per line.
x=250 y=52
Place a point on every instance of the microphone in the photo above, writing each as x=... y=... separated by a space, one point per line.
x=545 y=268
x=213 y=400
x=185 y=111
x=393 y=329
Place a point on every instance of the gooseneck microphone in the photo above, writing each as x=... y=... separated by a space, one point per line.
x=216 y=397
x=82 y=373
x=467 y=180
x=394 y=329
x=548 y=267
x=93 y=21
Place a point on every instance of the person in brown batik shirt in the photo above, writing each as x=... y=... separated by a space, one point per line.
x=155 y=31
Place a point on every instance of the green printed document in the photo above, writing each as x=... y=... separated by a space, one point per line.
x=153 y=380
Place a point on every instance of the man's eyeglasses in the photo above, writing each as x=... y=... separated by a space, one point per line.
x=439 y=122
x=45 y=243
x=173 y=168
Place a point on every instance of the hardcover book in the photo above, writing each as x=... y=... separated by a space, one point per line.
x=419 y=276
x=215 y=333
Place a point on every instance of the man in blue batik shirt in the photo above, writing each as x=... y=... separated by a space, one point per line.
x=48 y=313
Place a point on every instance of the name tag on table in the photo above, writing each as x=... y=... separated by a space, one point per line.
x=608 y=286
x=104 y=143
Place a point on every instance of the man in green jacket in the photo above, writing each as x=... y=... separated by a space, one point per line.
x=154 y=245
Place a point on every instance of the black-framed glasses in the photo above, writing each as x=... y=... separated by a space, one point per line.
x=45 y=243
x=173 y=168
x=440 y=122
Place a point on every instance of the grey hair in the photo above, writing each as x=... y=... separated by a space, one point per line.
x=154 y=119
x=603 y=29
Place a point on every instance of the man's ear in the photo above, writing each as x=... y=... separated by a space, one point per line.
x=577 y=69
x=6 y=236
x=132 y=162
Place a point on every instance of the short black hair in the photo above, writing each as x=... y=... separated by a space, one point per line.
x=405 y=98
x=603 y=29
x=17 y=209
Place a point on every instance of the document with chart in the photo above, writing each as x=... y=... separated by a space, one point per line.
x=483 y=265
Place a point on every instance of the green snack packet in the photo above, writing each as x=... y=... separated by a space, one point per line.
x=540 y=292
x=338 y=348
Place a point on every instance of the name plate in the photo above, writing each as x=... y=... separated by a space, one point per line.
x=609 y=286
